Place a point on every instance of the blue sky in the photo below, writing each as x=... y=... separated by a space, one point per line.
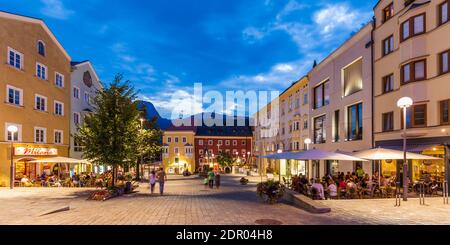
x=164 y=46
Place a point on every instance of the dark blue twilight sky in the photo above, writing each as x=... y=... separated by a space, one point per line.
x=164 y=46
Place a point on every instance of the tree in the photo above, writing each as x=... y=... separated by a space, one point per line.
x=109 y=136
x=225 y=159
x=149 y=144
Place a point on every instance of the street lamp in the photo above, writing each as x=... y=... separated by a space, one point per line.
x=138 y=172
x=405 y=103
x=279 y=161
x=12 y=130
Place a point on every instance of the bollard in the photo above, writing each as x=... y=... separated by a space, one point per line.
x=445 y=192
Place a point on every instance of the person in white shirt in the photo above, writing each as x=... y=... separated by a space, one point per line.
x=332 y=189
x=319 y=187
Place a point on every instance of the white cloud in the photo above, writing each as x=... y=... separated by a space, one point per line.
x=128 y=58
x=252 y=34
x=289 y=8
x=175 y=102
x=56 y=9
x=284 y=68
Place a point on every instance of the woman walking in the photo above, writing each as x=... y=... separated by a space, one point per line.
x=152 y=181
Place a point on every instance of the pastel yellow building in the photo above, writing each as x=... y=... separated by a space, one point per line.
x=35 y=97
x=178 y=150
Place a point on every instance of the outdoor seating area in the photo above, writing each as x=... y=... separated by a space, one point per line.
x=83 y=180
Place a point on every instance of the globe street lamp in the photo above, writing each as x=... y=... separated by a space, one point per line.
x=12 y=130
x=404 y=103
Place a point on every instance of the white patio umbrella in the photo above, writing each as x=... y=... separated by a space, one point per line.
x=59 y=160
x=389 y=154
x=314 y=155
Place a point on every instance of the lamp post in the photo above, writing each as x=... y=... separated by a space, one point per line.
x=404 y=103
x=308 y=141
x=279 y=161
x=12 y=130
x=138 y=172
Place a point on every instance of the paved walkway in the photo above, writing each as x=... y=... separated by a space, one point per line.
x=188 y=202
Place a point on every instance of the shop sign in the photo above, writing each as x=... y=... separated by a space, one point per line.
x=35 y=151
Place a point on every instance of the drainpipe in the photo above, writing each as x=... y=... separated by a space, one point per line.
x=373 y=86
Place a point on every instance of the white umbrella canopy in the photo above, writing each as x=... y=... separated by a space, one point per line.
x=315 y=155
x=388 y=154
x=60 y=160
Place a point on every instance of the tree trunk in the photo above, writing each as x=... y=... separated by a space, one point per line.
x=114 y=177
x=138 y=170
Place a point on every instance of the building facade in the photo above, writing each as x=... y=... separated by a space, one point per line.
x=292 y=128
x=178 y=149
x=411 y=56
x=341 y=103
x=85 y=86
x=35 y=93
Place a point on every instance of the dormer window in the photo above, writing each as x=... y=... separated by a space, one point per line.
x=41 y=48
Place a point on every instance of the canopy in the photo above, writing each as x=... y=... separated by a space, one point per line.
x=388 y=154
x=314 y=155
x=60 y=160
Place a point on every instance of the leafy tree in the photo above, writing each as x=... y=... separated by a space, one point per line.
x=110 y=135
x=225 y=159
x=149 y=143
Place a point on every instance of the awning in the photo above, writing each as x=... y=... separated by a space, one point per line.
x=60 y=160
x=390 y=154
x=314 y=155
x=417 y=145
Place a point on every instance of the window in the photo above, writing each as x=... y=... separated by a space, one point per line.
x=227 y=142
x=305 y=124
x=86 y=97
x=388 y=121
x=77 y=147
x=443 y=62
x=200 y=142
x=184 y=140
x=200 y=152
x=41 y=48
x=445 y=118
x=41 y=103
x=169 y=140
x=59 y=108
x=388 y=12
x=243 y=142
x=414 y=71
x=353 y=81
x=176 y=139
x=336 y=126
x=416 y=116
x=319 y=130
x=15 y=59
x=15 y=95
x=175 y=150
x=17 y=136
x=234 y=142
x=388 y=45
x=76 y=118
x=219 y=142
x=210 y=142
x=413 y=27
x=355 y=122
x=41 y=71
x=40 y=135
x=322 y=95
x=305 y=99
x=76 y=92
x=58 y=137
x=443 y=12
x=59 y=80
x=388 y=83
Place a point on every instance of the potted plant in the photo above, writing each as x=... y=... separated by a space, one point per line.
x=271 y=191
x=243 y=181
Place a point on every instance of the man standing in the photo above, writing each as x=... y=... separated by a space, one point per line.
x=360 y=173
x=162 y=177
x=211 y=177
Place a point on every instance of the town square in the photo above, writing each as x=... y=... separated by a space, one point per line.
x=232 y=113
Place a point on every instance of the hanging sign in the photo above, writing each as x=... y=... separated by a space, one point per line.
x=35 y=151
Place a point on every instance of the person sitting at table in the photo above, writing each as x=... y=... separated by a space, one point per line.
x=348 y=176
x=26 y=182
x=332 y=189
x=319 y=188
x=365 y=181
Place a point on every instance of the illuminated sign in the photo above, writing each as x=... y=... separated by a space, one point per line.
x=33 y=151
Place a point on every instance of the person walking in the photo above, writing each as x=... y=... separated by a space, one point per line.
x=217 y=180
x=162 y=177
x=211 y=177
x=152 y=181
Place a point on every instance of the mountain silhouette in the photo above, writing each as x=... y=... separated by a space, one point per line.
x=152 y=113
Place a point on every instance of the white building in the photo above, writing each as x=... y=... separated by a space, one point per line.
x=85 y=85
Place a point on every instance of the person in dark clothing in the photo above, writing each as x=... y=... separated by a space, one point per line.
x=217 y=180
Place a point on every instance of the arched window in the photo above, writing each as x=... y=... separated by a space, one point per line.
x=41 y=48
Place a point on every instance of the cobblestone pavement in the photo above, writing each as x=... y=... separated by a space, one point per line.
x=188 y=202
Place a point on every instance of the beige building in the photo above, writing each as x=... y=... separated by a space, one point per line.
x=411 y=56
x=290 y=132
x=341 y=103
x=35 y=97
